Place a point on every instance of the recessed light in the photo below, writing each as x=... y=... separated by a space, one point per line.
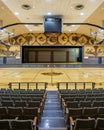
x=49 y=13
x=81 y=13
x=26 y=25
x=73 y=25
x=16 y=13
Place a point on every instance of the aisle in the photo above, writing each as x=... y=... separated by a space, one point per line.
x=53 y=117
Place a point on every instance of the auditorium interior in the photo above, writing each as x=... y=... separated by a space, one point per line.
x=52 y=65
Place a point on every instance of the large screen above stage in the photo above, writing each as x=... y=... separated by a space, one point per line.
x=52 y=25
x=51 y=54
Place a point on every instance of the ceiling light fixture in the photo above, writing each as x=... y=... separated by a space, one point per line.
x=79 y=7
x=26 y=6
x=16 y=13
x=81 y=13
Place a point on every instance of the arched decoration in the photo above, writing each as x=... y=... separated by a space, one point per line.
x=52 y=39
x=63 y=39
x=21 y=40
x=83 y=40
x=41 y=39
x=73 y=39
x=30 y=38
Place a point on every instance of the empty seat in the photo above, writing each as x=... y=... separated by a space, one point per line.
x=98 y=103
x=90 y=112
x=8 y=103
x=75 y=113
x=3 y=113
x=84 y=124
x=4 y=125
x=73 y=104
x=101 y=112
x=22 y=125
x=30 y=113
x=14 y=112
x=34 y=104
x=85 y=103
x=100 y=124
x=20 y=104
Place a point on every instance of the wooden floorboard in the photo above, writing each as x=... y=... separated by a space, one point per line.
x=67 y=75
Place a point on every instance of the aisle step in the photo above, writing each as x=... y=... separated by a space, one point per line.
x=53 y=124
x=53 y=114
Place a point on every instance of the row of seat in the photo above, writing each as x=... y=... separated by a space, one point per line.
x=22 y=98
x=18 y=125
x=21 y=104
x=94 y=112
x=4 y=90
x=20 y=113
x=81 y=91
x=87 y=124
x=76 y=104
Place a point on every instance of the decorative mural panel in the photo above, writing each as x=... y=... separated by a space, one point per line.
x=96 y=51
x=9 y=51
x=51 y=39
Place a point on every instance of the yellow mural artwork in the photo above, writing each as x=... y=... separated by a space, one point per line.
x=96 y=51
x=52 y=39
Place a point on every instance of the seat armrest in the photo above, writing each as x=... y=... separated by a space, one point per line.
x=67 y=110
x=71 y=123
x=35 y=121
x=17 y=118
x=89 y=118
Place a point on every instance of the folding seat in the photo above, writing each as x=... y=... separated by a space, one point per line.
x=75 y=113
x=85 y=104
x=97 y=103
x=79 y=99
x=83 y=124
x=30 y=113
x=73 y=104
x=99 y=98
x=90 y=99
x=20 y=104
x=34 y=104
x=90 y=112
x=7 y=98
x=4 y=125
x=27 y=99
x=16 y=98
x=7 y=103
x=22 y=125
x=15 y=112
x=3 y=113
x=101 y=112
x=36 y=99
x=100 y=124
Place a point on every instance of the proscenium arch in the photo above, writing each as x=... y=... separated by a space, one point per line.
x=14 y=24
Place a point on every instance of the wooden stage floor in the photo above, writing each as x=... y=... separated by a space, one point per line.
x=52 y=76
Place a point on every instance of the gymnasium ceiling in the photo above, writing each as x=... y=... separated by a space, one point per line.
x=34 y=11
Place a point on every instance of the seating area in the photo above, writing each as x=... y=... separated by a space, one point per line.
x=84 y=108
x=20 y=108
